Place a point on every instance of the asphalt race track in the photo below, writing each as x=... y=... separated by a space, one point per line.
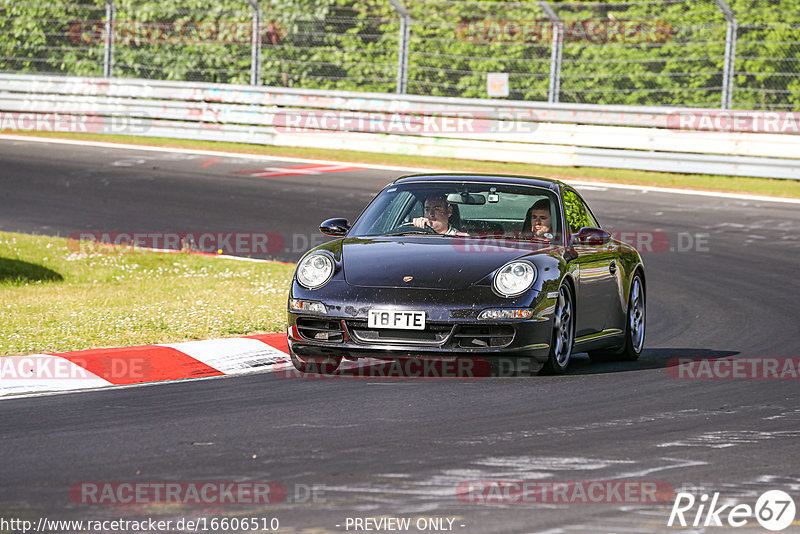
x=399 y=448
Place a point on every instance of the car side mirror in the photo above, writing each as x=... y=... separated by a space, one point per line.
x=591 y=236
x=334 y=227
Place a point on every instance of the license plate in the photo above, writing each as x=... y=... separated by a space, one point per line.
x=403 y=320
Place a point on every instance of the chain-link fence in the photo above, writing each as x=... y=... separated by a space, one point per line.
x=39 y=38
x=742 y=54
x=168 y=40
x=767 y=72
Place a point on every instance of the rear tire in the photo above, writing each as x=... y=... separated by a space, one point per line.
x=321 y=365
x=634 y=328
x=563 y=332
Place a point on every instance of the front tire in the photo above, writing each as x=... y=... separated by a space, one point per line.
x=563 y=332
x=323 y=365
x=634 y=327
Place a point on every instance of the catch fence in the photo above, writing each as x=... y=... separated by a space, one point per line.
x=729 y=54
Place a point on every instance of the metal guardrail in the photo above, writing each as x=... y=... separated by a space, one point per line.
x=625 y=137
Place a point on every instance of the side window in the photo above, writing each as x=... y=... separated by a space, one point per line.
x=389 y=211
x=575 y=211
x=592 y=221
x=416 y=210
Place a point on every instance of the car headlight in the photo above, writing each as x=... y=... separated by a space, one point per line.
x=315 y=270
x=515 y=278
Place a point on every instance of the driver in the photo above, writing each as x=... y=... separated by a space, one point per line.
x=541 y=224
x=437 y=215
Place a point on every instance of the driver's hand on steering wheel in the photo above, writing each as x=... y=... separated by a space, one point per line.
x=421 y=222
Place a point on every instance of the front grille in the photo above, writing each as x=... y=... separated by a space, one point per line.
x=486 y=336
x=433 y=334
x=320 y=329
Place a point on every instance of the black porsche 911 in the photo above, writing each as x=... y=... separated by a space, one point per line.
x=487 y=266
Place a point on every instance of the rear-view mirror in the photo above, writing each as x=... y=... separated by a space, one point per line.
x=334 y=227
x=466 y=198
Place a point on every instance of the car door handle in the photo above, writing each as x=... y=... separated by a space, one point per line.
x=612 y=268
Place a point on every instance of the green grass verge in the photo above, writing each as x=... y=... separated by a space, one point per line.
x=729 y=184
x=53 y=299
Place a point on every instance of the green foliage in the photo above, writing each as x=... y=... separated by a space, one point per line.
x=637 y=53
x=42 y=38
x=574 y=211
x=196 y=40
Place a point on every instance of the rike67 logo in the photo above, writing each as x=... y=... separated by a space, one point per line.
x=774 y=510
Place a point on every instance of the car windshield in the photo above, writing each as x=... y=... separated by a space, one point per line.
x=462 y=209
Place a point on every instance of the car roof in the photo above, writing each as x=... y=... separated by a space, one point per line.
x=536 y=181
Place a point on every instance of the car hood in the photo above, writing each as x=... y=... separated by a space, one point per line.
x=431 y=262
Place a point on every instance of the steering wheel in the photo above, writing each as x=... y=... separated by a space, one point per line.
x=527 y=234
x=407 y=226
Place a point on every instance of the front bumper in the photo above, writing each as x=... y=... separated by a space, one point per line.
x=452 y=324
x=349 y=337
x=530 y=340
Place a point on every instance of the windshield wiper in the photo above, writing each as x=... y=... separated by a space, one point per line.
x=410 y=232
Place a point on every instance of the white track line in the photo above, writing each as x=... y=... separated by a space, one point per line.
x=244 y=155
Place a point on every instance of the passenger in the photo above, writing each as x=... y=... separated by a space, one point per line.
x=438 y=213
x=539 y=221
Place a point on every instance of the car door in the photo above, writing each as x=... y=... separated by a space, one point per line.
x=597 y=274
